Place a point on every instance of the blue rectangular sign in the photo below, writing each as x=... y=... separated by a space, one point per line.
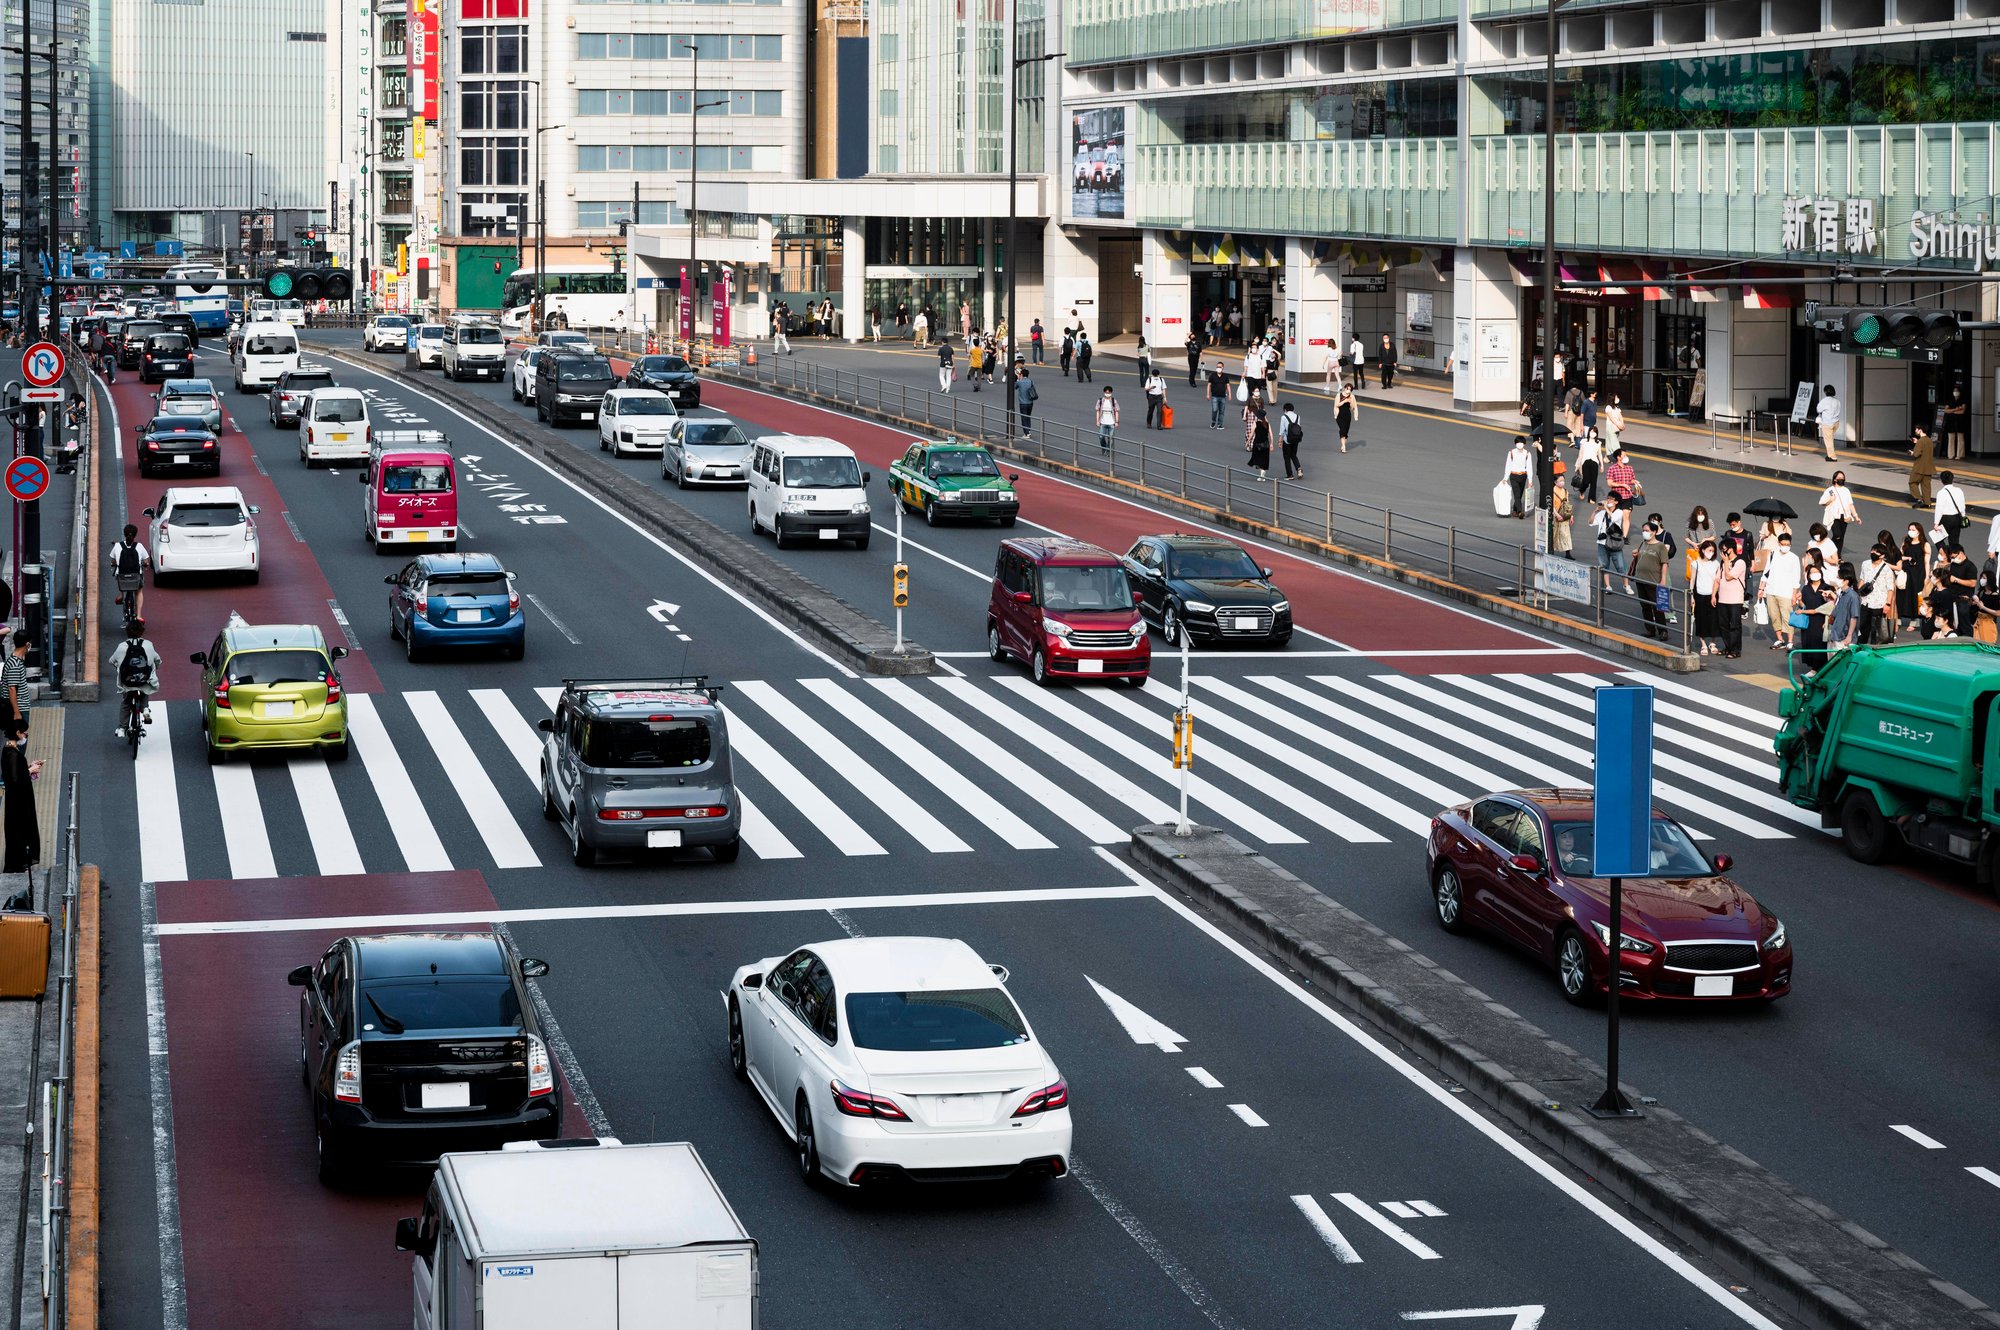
x=1622 y=783
x=96 y=271
x=166 y=249
x=128 y=249
x=67 y=270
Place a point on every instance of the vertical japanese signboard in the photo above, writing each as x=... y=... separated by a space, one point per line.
x=725 y=298
x=687 y=305
x=422 y=46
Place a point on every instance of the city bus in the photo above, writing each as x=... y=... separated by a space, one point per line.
x=209 y=308
x=577 y=298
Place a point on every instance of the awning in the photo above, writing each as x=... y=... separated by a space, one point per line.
x=1175 y=244
x=1225 y=251
x=1769 y=297
x=1618 y=278
x=1204 y=248
x=1527 y=272
x=1653 y=272
x=1700 y=295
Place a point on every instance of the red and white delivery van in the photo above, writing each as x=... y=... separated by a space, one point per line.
x=410 y=497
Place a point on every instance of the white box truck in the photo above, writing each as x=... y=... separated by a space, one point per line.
x=586 y=1235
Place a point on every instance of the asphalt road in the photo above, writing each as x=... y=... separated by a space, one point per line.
x=972 y=806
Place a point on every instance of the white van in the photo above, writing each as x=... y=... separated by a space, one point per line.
x=265 y=351
x=334 y=426
x=808 y=486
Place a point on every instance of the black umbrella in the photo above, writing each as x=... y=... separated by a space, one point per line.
x=1553 y=430
x=1768 y=507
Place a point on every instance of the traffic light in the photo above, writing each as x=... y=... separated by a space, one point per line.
x=1864 y=327
x=901 y=592
x=1183 y=740
x=308 y=284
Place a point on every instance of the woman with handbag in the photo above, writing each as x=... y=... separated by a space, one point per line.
x=1732 y=583
x=1876 y=582
x=1837 y=511
x=1257 y=442
x=1705 y=574
x=1910 y=577
x=1345 y=409
x=1810 y=604
x=1608 y=523
x=1562 y=513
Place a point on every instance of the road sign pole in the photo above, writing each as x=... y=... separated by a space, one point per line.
x=1186 y=763
x=899 y=563
x=1621 y=845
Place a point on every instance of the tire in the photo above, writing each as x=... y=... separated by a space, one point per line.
x=739 y=1064
x=581 y=852
x=1573 y=968
x=754 y=527
x=409 y=644
x=1170 y=626
x=255 y=574
x=305 y=1068
x=337 y=752
x=513 y=388
x=1863 y=829
x=861 y=544
x=729 y=850
x=333 y=1166
x=550 y=813
x=1134 y=681
x=807 y=1153
x=603 y=444
x=1448 y=898
x=1006 y=521
x=931 y=514
x=994 y=651
x=680 y=475
x=1038 y=669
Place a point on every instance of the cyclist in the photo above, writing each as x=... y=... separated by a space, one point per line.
x=107 y=363
x=137 y=667
x=129 y=562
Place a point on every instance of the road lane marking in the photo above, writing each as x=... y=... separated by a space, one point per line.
x=1329 y=1233
x=792 y=785
x=1764 y=718
x=418 y=840
x=1170 y=1265
x=1203 y=1078
x=1984 y=1174
x=982 y=807
x=1419 y=723
x=1248 y=1114
x=162 y=851
x=1144 y=1029
x=523 y=740
x=558 y=1042
x=560 y=626
x=1047 y=742
x=1401 y=1211
x=1927 y=1142
x=1426 y=1209
x=1706 y=725
x=243 y=832
x=765 y=841
x=1527 y=1317
x=1475 y=777
x=1389 y=1228
x=166 y=1170
x=496 y=826
x=326 y=821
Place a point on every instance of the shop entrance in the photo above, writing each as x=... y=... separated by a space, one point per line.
x=1597 y=334
x=1931 y=385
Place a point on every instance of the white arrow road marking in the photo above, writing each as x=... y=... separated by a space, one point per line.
x=663 y=610
x=1389 y=1228
x=1143 y=1028
x=1329 y=1233
x=1525 y=1318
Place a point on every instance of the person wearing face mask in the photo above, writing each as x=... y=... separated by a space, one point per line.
x=1836 y=509
x=1810 y=604
x=1649 y=573
x=1783 y=575
x=1910 y=585
x=1705 y=574
x=1952 y=419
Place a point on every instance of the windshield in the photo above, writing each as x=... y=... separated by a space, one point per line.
x=276 y=667
x=205 y=514
x=415 y=479
x=392 y=321
x=442 y=1003
x=645 y=742
x=1074 y=588
x=1671 y=853
x=1217 y=563
x=646 y=406
x=468 y=584
x=271 y=346
x=823 y=472
x=934 y=1022
x=172 y=344
x=482 y=336
x=664 y=365
x=566 y=339
x=969 y=463
x=431 y=332
x=714 y=434
x=586 y=371
x=187 y=400
x=340 y=408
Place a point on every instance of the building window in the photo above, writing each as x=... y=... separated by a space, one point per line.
x=607 y=216
x=396 y=193
x=395 y=90
x=476 y=219
x=394 y=32
x=674 y=46
x=493 y=51
x=492 y=161
x=662 y=101
x=394 y=140
x=493 y=106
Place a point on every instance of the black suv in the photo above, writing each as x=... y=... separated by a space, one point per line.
x=288 y=394
x=168 y=355
x=417 y=1043
x=569 y=389
x=1209 y=588
x=672 y=375
x=183 y=324
x=132 y=340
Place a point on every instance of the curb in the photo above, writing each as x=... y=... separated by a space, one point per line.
x=1906 y=1296
x=1632 y=648
x=80 y=1300
x=822 y=617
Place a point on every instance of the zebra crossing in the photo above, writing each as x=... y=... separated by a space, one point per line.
x=445 y=779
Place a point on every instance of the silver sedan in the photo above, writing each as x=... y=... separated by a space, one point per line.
x=709 y=451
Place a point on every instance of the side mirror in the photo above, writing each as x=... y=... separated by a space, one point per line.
x=1723 y=863
x=391 y=579
x=753 y=981
x=149 y=512
x=340 y=653
x=363 y=477
x=1024 y=598
x=533 y=968
x=300 y=977
x=197 y=658
x=999 y=972
x=867 y=476
x=1265 y=571
x=410 y=1237
x=254 y=510
x=1138 y=597
x=1527 y=863
x=546 y=725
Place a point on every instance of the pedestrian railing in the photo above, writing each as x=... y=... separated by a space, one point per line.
x=1311 y=514
x=55 y=1101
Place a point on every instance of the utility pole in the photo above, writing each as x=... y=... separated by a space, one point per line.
x=695 y=107
x=29 y=549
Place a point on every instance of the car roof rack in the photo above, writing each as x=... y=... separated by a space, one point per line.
x=689 y=683
x=412 y=438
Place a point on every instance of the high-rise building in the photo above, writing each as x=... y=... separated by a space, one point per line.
x=68 y=24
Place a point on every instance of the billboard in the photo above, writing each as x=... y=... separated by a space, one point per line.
x=421 y=46
x=1097 y=163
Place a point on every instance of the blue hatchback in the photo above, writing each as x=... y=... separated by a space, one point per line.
x=456 y=600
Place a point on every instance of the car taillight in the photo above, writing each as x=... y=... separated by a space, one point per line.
x=1044 y=1099
x=513 y=601
x=541 y=1076
x=860 y=1104
x=208 y=443
x=222 y=693
x=332 y=689
x=638 y=814
x=166 y=536
x=347 y=1075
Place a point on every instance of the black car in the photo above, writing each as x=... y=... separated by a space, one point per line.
x=288 y=394
x=1208 y=587
x=417 y=1043
x=178 y=444
x=569 y=389
x=168 y=355
x=184 y=325
x=672 y=375
x=132 y=340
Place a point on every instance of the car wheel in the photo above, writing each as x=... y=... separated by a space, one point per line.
x=680 y=474
x=550 y=812
x=1170 y=627
x=808 y=1144
x=739 y=1065
x=1573 y=967
x=1038 y=667
x=1007 y=521
x=603 y=444
x=993 y=648
x=395 y=629
x=305 y=1068
x=514 y=389
x=336 y=752
x=727 y=852
x=1448 y=894
x=1863 y=828
x=332 y=1160
x=931 y=517
x=409 y=642
x=581 y=852
x=1133 y=681
x=861 y=544
x=252 y=578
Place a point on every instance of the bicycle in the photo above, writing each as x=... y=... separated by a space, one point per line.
x=132 y=718
x=128 y=599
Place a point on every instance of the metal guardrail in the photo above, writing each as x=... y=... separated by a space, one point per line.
x=55 y=1099
x=78 y=630
x=1467 y=560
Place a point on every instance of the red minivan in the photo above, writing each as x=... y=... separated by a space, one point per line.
x=411 y=498
x=1065 y=608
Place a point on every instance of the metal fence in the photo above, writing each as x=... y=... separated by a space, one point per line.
x=1464 y=559
x=55 y=1099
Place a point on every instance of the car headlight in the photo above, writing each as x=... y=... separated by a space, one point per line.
x=953 y=496
x=1197 y=607
x=860 y=508
x=1282 y=607
x=1005 y=496
x=795 y=505
x=1777 y=938
x=1626 y=942
x=1056 y=628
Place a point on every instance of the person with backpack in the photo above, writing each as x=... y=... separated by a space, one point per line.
x=1292 y=433
x=1025 y=397
x=129 y=562
x=136 y=666
x=1083 y=353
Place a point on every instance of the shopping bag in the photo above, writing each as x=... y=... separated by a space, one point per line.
x=1503 y=499
x=1166 y=416
x=1243 y=390
x=1760 y=615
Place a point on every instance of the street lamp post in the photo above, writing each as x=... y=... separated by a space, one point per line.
x=1019 y=63
x=250 y=180
x=695 y=108
x=521 y=218
x=1545 y=467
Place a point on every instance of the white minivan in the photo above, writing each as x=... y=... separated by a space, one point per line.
x=334 y=426
x=807 y=486
x=265 y=351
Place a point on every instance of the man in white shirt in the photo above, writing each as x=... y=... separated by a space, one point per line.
x=1836 y=509
x=1520 y=464
x=1781 y=580
x=1950 y=512
x=1827 y=417
x=1354 y=356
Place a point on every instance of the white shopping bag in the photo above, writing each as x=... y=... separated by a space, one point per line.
x=1503 y=499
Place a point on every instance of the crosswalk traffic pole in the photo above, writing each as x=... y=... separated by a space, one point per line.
x=900 y=592
x=1184 y=739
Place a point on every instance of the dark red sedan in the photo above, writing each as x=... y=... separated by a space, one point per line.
x=1517 y=864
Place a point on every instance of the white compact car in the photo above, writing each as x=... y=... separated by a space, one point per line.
x=209 y=529
x=637 y=422
x=333 y=426
x=386 y=332
x=427 y=348
x=521 y=378
x=898 y=1058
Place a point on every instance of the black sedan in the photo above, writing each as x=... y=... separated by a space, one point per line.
x=416 y=1043
x=1209 y=588
x=672 y=375
x=181 y=445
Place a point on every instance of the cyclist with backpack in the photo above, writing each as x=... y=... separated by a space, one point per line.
x=129 y=562
x=137 y=667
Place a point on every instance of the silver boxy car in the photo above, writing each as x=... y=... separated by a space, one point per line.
x=634 y=765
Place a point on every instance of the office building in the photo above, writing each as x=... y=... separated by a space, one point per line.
x=68 y=23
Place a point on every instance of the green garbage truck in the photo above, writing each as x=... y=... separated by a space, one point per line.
x=1900 y=744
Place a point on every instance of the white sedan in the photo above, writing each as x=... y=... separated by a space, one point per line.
x=637 y=421
x=898 y=1058
x=521 y=377
x=206 y=529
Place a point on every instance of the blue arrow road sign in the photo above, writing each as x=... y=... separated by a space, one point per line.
x=128 y=249
x=96 y=271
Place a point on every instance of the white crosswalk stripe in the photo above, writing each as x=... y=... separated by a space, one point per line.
x=964 y=765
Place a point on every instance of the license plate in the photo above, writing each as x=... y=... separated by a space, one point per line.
x=663 y=840
x=1090 y=667
x=466 y=616
x=280 y=708
x=447 y=1094
x=1714 y=985
x=339 y=438
x=961 y=1108
x=417 y=535
x=1243 y=624
x=587 y=415
x=723 y=470
x=182 y=459
x=673 y=392
x=829 y=533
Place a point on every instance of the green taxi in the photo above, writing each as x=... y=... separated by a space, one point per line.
x=272 y=686
x=953 y=479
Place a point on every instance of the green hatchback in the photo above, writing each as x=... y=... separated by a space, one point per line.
x=272 y=686
x=953 y=479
